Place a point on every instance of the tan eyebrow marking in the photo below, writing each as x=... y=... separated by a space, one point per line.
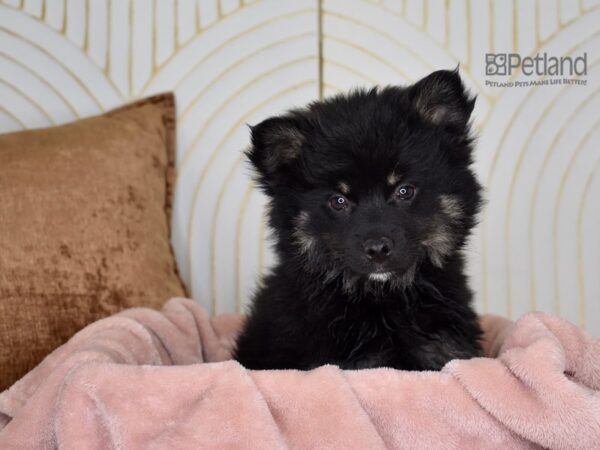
x=343 y=187
x=393 y=178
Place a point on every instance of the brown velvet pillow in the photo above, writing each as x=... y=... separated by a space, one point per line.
x=84 y=227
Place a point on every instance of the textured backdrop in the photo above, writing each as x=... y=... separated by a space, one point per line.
x=234 y=62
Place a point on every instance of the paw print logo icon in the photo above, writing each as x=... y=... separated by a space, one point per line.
x=495 y=64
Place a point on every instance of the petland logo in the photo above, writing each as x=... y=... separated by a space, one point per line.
x=553 y=70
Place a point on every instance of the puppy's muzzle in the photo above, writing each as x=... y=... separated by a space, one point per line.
x=378 y=250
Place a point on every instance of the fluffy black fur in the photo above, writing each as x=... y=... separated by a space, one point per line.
x=371 y=200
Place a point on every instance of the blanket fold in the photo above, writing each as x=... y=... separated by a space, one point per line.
x=150 y=379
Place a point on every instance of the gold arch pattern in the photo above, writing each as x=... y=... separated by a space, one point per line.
x=42 y=80
x=580 y=271
x=215 y=153
x=513 y=179
x=563 y=180
x=535 y=195
x=20 y=93
x=492 y=169
x=233 y=168
x=12 y=116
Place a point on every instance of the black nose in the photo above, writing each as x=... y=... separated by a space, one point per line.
x=378 y=250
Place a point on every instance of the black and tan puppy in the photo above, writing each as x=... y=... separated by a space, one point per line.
x=371 y=200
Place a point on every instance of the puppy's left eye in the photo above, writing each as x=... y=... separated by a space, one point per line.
x=338 y=202
x=405 y=192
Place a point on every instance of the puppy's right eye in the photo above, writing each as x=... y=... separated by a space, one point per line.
x=338 y=202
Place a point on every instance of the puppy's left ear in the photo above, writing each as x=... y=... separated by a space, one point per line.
x=276 y=144
x=441 y=99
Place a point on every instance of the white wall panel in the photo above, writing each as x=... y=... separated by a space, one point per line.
x=234 y=62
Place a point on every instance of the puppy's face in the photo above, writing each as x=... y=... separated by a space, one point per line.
x=372 y=184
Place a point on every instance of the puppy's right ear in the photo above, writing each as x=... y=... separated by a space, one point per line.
x=276 y=144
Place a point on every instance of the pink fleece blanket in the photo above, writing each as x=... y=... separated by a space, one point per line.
x=145 y=379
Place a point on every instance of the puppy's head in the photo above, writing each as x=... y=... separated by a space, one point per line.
x=372 y=184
